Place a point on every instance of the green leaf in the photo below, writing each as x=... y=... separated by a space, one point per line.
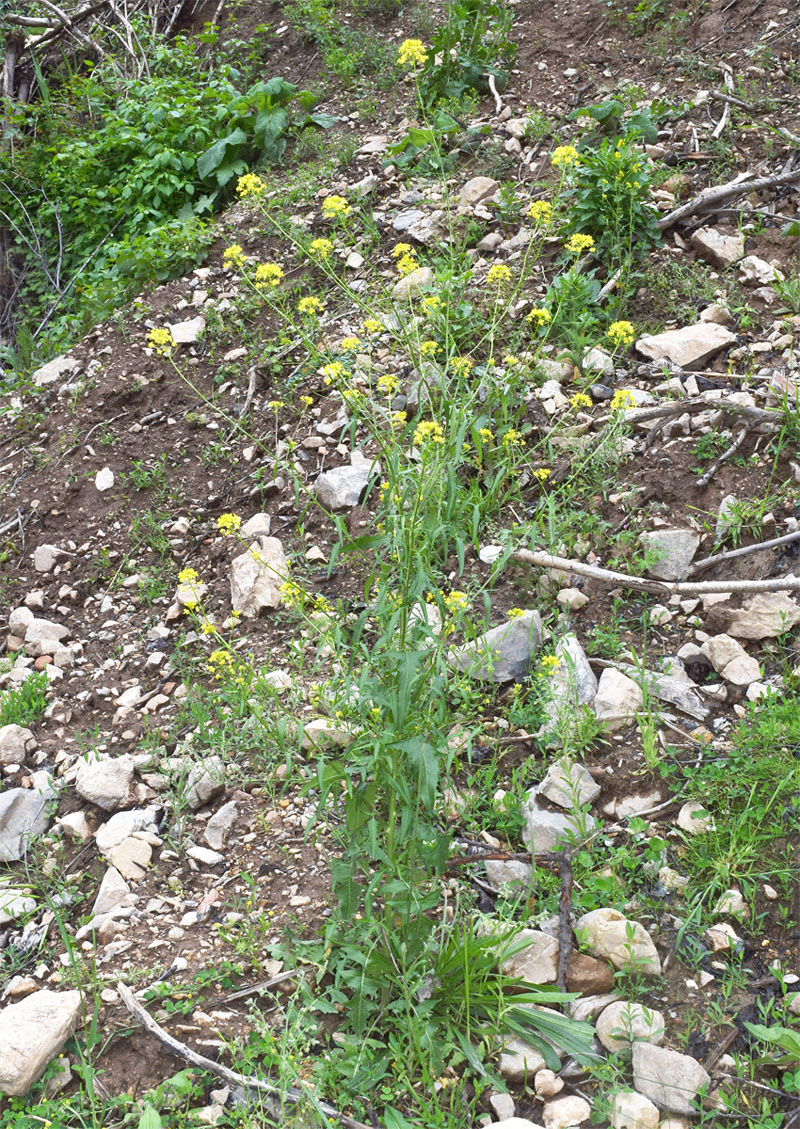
x=325 y=121
x=783 y=1037
x=214 y=156
x=394 y=1118
x=150 y=1118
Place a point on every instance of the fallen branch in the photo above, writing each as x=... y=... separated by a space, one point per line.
x=246 y=1081
x=655 y=587
x=773 y=543
x=727 y=454
x=498 y=104
x=727 y=76
x=710 y=197
x=718 y=96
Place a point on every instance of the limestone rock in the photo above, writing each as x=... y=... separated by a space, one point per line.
x=694 y=819
x=758 y=271
x=537 y=962
x=730 y=660
x=502 y=654
x=256 y=526
x=220 y=825
x=413 y=284
x=341 y=488
x=572 y=684
x=124 y=824
x=565 y=1112
x=46 y=557
x=104 y=480
x=512 y=871
x=550 y=830
x=569 y=785
x=676 y=548
x=15 y=743
x=764 y=616
x=42 y=636
x=518 y=1061
x=618 y=699
x=322 y=731
x=14 y=903
x=24 y=815
x=610 y=935
x=32 y=1032
x=513 y=1123
x=547 y=1084
x=630 y=1110
x=716 y=248
x=477 y=190
x=623 y=1023
x=689 y=347
x=106 y=781
x=131 y=857
x=187 y=332
x=588 y=975
x=54 y=370
x=668 y=1078
x=204 y=781
x=112 y=893
x=257 y=575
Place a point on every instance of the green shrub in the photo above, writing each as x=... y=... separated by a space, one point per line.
x=25 y=705
x=472 y=45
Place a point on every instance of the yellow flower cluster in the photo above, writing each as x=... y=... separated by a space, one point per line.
x=412 y=53
x=512 y=438
x=563 y=156
x=275 y=405
x=220 y=662
x=310 y=307
x=349 y=344
x=577 y=244
x=333 y=371
x=580 y=400
x=432 y=303
x=541 y=212
x=515 y=613
x=548 y=663
x=322 y=248
x=510 y=360
x=306 y=401
x=542 y=474
x=498 y=276
x=486 y=434
x=388 y=384
x=268 y=275
x=461 y=366
x=399 y=420
x=539 y=316
x=162 y=341
x=292 y=595
x=234 y=256
x=428 y=432
x=250 y=185
x=429 y=349
x=335 y=207
x=372 y=325
x=621 y=334
x=407 y=264
x=456 y=601
x=228 y=524
x=187 y=575
x=623 y=398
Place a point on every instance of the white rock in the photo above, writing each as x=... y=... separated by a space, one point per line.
x=689 y=347
x=220 y=825
x=18 y=621
x=477 y=190
x=764 y=616
x=256 y=526
x=718 y=249
x=722 y=937
x=610 y=935
x=623 y=1023
x=518 y=1061
x=32 y=1032
x=598 y=362
x=413 y=284
x=671 y=880
x=112 y=893
x=75 y=826
x=187 y=332
x=694 y=819
x=124 y=824
x=104 y=479
x=342 y=487
x=618 y=699
x=205 y=856
x=730 y=659
x=512 y=1123
x=204 y=781
x=675 y=547
x=54 y=370
x=547 y=1084
x=630 y=1110
x=131 y=857
x=716 y=312
x=731 y=903
x=42 y=636
x=565 y=1112
x=588 y=1007
x=46 y=557
x=106 y=781
x=726 y=515
x=668 y=1078
x=537 y=962
x=16 y=742
x=569 y=785
x=572 y=599
x=502 y=654
x=25 y=814
x=758 y=271
x=257 y=575
x=14 y=903
x=322 y=731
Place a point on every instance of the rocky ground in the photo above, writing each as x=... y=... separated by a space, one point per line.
x=622 y=725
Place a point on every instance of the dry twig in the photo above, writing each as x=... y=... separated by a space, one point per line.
x=709 y=198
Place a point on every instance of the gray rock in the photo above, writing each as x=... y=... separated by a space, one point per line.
x=569 y=785
x=204 y=856
x=598 y=361
x=124 y=824
x=256 y=526
x=25 y=813
x=413 y=284
x=677 y=689
x=572 y=684
x=113 y=892
x=537 y=962
x=342 y=487
x=32 y=1032
x=42 y=636
x=618 y=699
x=204 y=782
x=731 y=660
x=623 y=1023
x=519 y=1061
x=187 y=332
x=46 y=557
x=18 y=621
x=566 y=1112
x=694 y=819
x=15 y=743
x=106 y=781
x=689 y=347
x=220 y=825
x=257 y=576
x=716 y=248
x=426 y=228
x=512 y=871
x=14 y=903
x=758 y=271
x=764 y=616
x=725 y=516
x=477 y=190
x=609 y=935
x=550 y=830
x=630 y=1110
x=676 y=549
x=502 y=654
x=54 y=370
x=668 y=1078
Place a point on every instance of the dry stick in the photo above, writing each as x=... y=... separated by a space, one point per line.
x=655 y=587
x=734 y=447
x=727 y=76
x=709 y=197
x=248 y=1082
x=262 y=986
x=498 y=104
x=718 y=96
x=773 y=543
x=564 y=917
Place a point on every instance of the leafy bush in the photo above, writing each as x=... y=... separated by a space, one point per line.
x=25 y=705
x=472 y=45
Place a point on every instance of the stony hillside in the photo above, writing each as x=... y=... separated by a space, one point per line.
x=399 y=715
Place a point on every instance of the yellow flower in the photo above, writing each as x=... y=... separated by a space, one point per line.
x=372 y=325
x=349 y=344
x=548 y=663
x=220 y=662
x=388 y=384
x=228 y=523
x=541 y=212
x=564 y=156
x=275 y=405
x=515 y=613
x=461 y=366
x=428 y=432
x=234 y=256
x=486 y=434
x=539 y=316
x=429 y=348
x=498 y=276
x=407 y=264
x=623 y=398
x=268 y=274
x=322 y=248
x=412 y=53
x=335 y=207
x=510 y=360
x=207 y=627
x=333 y=371
x=621 y=334
x=512 y=438
x=399 y=420
x=250 y=185
x=187 y=575
x=577 y=244
x=580 y=400
x=310 y=307
x=306 y=401
x=432 y=303
x=401 y=249
x=542 y=474
x=291 y=594
x=456 y=601
x=162 y=341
